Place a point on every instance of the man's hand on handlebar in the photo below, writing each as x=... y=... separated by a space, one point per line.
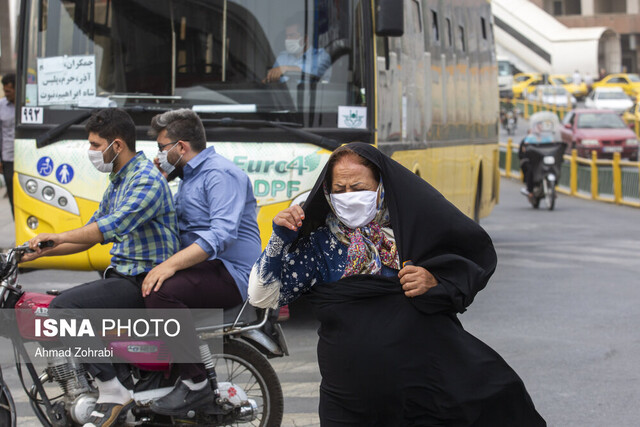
x=40 y=245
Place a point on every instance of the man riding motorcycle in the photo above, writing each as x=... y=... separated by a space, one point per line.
x=540 y=132
x=137 y=215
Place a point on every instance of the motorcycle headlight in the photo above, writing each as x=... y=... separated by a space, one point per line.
x=590 y=142
x=549 y=160
x=632 y=141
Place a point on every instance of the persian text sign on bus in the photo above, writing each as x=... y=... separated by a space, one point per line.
x=66 y=79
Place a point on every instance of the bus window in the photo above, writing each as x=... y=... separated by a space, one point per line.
x=462 y=47
x=215 y=56
x=435 y=32
x=483 y=27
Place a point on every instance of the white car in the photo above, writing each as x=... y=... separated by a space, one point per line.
x=555 y=95
x=608 y=98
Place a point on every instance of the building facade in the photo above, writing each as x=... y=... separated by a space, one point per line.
x=621 y=15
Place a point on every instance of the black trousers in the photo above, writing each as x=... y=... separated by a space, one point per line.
x=205 y=285
x=114 y=291
x=7 y=172
x=527 y=171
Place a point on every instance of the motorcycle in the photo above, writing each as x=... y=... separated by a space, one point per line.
x=546 y=162
x=246 y=387
x=542 y=156
x=509 y=120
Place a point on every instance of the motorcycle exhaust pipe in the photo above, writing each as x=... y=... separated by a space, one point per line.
x=248 y=411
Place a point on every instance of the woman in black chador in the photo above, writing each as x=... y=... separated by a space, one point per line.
x=388 y=263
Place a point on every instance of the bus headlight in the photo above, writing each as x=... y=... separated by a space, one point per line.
x=32 y=222
x=48 y=193
x=51 y=194
x=31 y=186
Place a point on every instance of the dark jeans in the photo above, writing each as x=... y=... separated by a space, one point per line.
x=527 y=171
x=204 y=285
x=7 y=171
x=115 y=291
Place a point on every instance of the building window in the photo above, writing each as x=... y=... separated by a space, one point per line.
x=557 y=8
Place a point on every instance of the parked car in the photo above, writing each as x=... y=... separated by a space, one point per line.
x=554 y=95
x=566 y=81
x=602 y=131
x=630 y=83
x=521 y=81
x=608 y=98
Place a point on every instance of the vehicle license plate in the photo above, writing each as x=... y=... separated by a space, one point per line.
x=614 y=149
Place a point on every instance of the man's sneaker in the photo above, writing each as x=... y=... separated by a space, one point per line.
x=107 y=414
x=524 y=191
x=182 y=399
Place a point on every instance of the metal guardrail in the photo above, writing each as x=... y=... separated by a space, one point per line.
x=615 y=181
x=527 y=107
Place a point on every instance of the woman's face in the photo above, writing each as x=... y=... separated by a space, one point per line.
x=350 y=175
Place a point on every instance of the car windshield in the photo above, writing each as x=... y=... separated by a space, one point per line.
x=504 y=68
x=568 y=79
x=634 y=78
x=600 y=121
x=215 y=56
x=611 y=95
x=520 y=79
x=553 y=91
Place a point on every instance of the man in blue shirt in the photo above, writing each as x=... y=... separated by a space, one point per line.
x=219 y=236
x=299 y=57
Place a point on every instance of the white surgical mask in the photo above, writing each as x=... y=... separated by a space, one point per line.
x=97 y=158
x=293 y=46
x=356 y=208
x=164 y=162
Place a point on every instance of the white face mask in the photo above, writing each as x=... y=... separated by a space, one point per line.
x=293 y=46
x=97 y=158
x=355 y=209
x=164 y=162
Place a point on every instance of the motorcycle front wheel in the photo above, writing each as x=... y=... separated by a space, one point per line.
x=7 y=409
x=245 y=366
x=550 y=195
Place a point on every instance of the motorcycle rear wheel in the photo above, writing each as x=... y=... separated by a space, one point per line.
x=245 y=366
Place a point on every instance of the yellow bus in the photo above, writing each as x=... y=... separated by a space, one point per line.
x=415 y=78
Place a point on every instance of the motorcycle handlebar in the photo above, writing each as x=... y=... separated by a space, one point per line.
x=24 y=248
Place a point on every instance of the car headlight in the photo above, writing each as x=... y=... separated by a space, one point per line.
x=590 y=142
x=632 y=141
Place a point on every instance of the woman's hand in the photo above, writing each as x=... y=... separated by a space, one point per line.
x=291 y=217
x=416 y=280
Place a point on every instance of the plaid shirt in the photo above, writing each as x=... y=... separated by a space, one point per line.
x=137 y=214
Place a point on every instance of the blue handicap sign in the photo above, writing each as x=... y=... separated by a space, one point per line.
x=45 y=166
x=64 y=173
